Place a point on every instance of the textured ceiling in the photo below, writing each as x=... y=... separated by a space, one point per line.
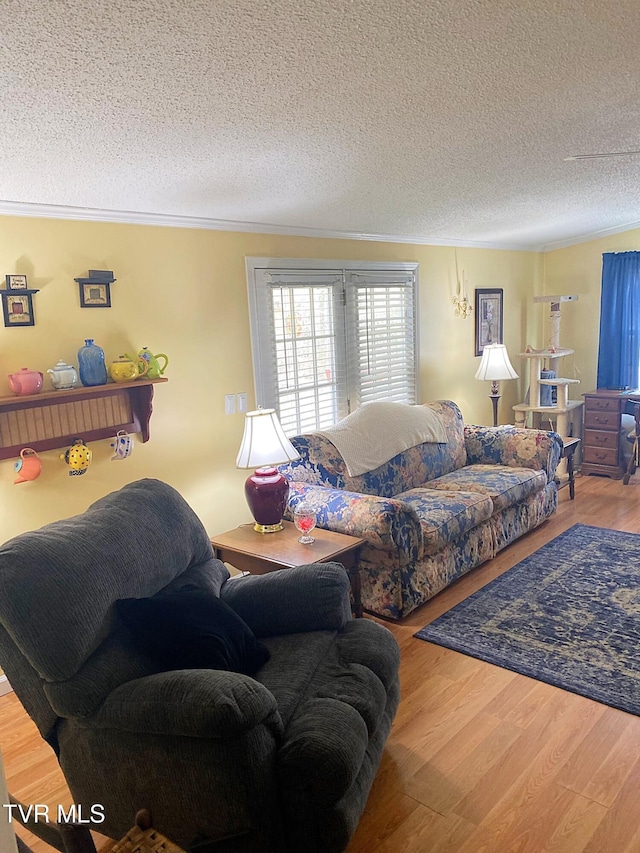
x=441 y=121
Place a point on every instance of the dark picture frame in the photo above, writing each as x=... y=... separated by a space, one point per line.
x=16 y=282
x=17 y=309
x=95 y=294
x=489 y=317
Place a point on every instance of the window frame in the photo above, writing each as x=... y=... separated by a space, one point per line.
x=259 y=333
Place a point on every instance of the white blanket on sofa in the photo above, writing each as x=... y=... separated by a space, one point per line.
x=378 y=431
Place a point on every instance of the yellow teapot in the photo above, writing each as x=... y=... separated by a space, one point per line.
x=155 y=371
x=126 y=369
x=78 y=457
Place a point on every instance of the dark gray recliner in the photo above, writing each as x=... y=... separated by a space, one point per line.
x=280 y=762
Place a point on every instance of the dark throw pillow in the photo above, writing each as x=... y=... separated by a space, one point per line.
x=192 y=629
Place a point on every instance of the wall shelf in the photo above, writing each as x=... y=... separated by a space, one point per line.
x=53 y=419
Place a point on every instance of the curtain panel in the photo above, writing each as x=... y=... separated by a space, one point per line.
x=619 y=347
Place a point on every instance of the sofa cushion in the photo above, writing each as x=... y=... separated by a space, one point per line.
x=505 y=486
x=446 y=515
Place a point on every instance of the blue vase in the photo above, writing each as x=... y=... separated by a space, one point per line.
x=92 y=367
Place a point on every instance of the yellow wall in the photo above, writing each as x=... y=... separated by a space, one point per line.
x=578 y=269
x=183 y=292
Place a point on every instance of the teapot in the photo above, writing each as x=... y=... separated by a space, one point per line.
x=26 y=381
x=77 y=457
x=28 y=467
x=126 y=369
x=63 y=376
x=154 y=371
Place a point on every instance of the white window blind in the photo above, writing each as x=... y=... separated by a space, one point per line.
x=325 y=341
x=381 y=348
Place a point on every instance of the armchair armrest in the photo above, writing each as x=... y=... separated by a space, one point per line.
x=314 y=597
x=386 y=523
x=198 y=703
x=515 y=446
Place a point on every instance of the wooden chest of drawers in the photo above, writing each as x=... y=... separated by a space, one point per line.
x=601 y=442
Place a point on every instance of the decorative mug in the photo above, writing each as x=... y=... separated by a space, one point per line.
x=123 y=446
x=28 y=467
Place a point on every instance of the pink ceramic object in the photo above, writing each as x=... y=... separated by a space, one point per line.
x=26 y=381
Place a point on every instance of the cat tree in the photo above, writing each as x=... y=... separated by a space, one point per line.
x=563 y=410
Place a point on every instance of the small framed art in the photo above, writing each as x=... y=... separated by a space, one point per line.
x=95 y=294
x=16 y=282
x=489 y=320
x=17 y=309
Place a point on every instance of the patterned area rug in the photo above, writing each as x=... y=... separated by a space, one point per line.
x=568 y=615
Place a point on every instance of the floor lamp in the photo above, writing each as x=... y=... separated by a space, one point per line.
x=494 y=366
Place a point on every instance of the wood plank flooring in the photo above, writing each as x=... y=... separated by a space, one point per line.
x=480 y=759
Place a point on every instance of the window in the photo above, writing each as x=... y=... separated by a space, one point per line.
x=328 y=337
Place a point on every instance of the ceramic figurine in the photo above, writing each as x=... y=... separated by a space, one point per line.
x=26 y=381
x=123 y=446
x=77 y=457
x=28 y=467
x=125 y=369
x=63 y=376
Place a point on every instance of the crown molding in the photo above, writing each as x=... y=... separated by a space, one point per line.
x=586 y=238
x=164 y=220
x=130 y=217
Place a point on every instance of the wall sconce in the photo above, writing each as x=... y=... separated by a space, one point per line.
x=460 y=300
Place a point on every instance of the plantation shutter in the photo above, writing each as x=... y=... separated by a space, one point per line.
x=307 y=355
x=325 y=341
x=382 y=341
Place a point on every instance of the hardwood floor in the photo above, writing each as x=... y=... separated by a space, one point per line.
x=480 y=759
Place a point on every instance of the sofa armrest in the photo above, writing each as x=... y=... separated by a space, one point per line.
x=385 y=523
x=197 y=703
x=517 y=447
x=314 y=597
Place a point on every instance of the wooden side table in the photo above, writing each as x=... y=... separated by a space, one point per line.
x=260 y=553
x=570 y=445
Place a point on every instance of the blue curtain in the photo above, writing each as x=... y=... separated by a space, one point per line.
x=619 y=350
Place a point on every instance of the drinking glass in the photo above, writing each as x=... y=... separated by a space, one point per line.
x=304 y=519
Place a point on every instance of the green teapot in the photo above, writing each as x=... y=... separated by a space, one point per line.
x=155 y=371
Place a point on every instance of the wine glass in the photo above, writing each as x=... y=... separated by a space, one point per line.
x=304 y=519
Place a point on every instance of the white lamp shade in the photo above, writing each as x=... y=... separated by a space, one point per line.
x=495 y=364
x=264 y=441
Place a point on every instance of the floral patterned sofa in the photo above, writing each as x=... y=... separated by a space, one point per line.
x=434 y=511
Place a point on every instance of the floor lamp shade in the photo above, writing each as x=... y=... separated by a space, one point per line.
x=264 y=445
x=494 y=366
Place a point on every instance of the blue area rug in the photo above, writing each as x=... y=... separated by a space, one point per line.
x=568 y=615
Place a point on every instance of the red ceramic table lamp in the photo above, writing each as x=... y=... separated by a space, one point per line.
x=264 y=445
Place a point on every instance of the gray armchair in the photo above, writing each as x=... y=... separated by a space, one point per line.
x=279 y=762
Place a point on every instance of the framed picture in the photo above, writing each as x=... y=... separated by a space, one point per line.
x=95 y=294
x=488 y=317
x=16 y=282
x=17 y=309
